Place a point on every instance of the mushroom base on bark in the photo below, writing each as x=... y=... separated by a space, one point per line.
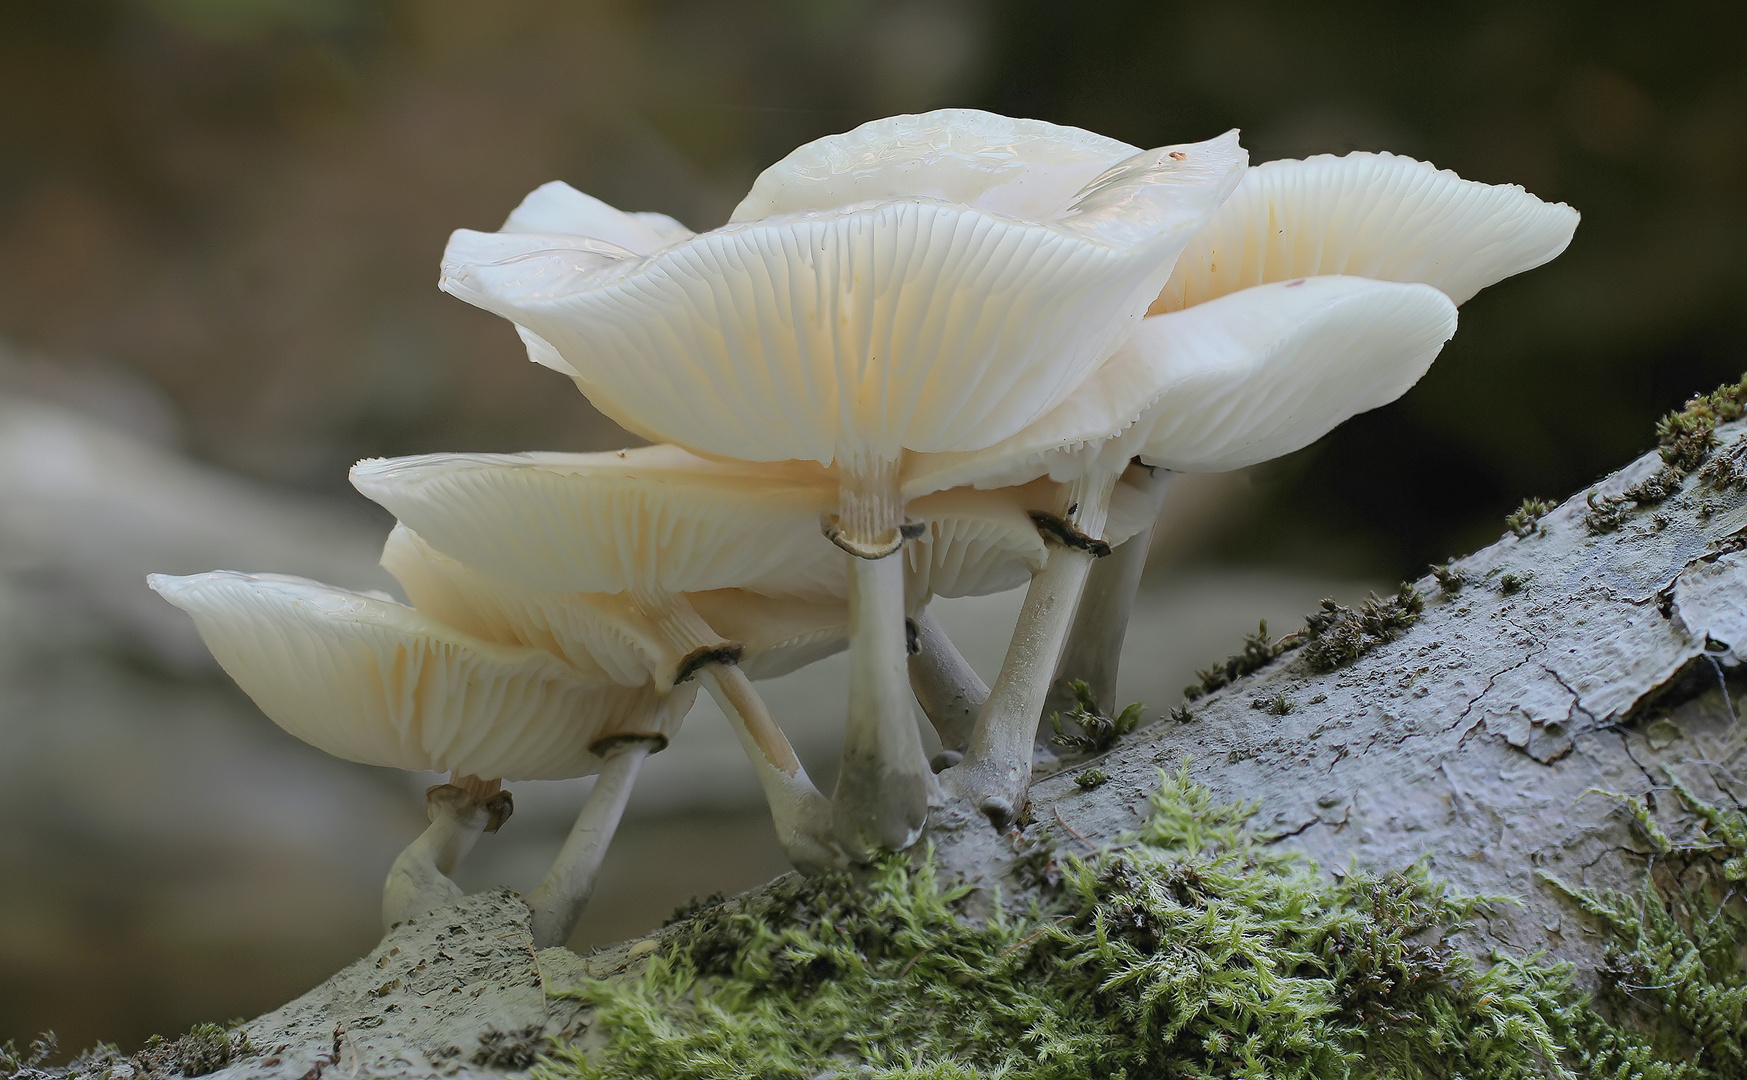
x=459 y=812
x=884 y=785
x=996 y=771
x=801 y=814
x=561 y=896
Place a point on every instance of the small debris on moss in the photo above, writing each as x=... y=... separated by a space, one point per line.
x=1092 y=779
x=1686 y=440
x=1337 y=635
x=1686 y=437
x=1093 y=732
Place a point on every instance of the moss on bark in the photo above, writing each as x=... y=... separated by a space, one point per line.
x=1191 y=949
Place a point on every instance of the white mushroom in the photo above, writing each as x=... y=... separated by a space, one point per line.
x=1378 y=216
x=1252 y=376
x=1243 y=383
x=533 y=540
x=920 y=284
x=372 y=681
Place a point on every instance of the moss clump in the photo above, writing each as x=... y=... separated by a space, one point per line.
x=1677 y=956
x=1524 y=521
x=1686 y=437
x=31 y=1063
x=1450 y=580
x=1728 y=469
x=1092 y=732
x=1194 y=951
x=1258 y=652
x=1091 y=779
x=1337 y=635
x=203 y=1049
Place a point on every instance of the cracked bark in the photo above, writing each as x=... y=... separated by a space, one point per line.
x=1472 y=741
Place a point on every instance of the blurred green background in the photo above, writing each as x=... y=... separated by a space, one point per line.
x=219 y=229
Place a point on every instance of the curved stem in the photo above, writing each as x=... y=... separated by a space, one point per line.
x=458 y=813
x=801 y=814
x=884 y=783
x=1094 y=648
x=950 y=691
x=995 y=774
x=561 y=896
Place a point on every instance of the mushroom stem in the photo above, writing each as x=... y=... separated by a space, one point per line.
x=560 y=898
x=801 y=814
x=458 y=812
x=995 y=774
x=950 y=691
x=884 y=783
x=1094 y=649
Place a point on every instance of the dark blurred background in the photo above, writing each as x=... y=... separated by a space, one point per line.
x=219 y=229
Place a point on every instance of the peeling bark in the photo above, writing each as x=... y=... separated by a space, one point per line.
x=1474 y=741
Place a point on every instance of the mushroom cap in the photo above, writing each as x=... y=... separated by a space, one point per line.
x=556 y=207
x=651 y=521
x=1228 y=383
x=975 y=542
x=781 y=633
x=902 y=320
x=376 y=682
x=610 y=633
x=602 y=634
x=1025 y=169
x=1271 y=369
x=1368 y=215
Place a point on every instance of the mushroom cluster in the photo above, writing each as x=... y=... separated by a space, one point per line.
x=937 y=355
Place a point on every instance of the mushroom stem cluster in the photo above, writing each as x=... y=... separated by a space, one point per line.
x=937 y=355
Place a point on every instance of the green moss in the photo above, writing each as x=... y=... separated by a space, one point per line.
x=1524 y=521
x=1727 y=469
x=1686 y=437
x=1091 y=732
x=1336 y=635
x=1092 y=779
x=1450 y=580
x=1258 y=652
x=1195 y=950
x=1278 y=705
x=203 y=1049
x=1677 y=955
